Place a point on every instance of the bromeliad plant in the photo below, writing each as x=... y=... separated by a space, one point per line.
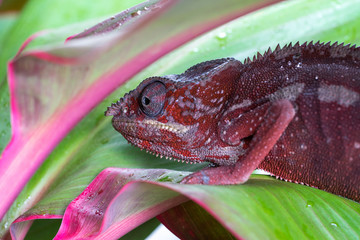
x=57 y=86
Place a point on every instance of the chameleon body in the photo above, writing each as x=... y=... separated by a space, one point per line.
x=294 y=112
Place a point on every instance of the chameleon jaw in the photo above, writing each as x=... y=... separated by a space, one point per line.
x=150 y=131
x=171 y=158
x=172 y=127
x=131 y=127
x=137 y=142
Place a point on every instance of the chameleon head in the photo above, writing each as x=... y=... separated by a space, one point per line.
x=177 y=115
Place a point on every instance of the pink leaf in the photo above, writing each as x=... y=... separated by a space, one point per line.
x=107 y=209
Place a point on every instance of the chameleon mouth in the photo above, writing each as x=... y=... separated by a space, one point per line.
x=149 y=126
x=152 y=137
x=172 y=127
x=187 y=161
x=162 y=153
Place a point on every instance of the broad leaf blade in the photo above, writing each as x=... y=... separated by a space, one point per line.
x=256 y=210
x=108 y=210
x=265 y=208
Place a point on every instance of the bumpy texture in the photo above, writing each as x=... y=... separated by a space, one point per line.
x=294 y=112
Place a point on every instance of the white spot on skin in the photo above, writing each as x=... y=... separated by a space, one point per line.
x=244 y=103
x=290 y=92
x=339 y=94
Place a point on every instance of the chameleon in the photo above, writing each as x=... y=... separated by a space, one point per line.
x=293 y=111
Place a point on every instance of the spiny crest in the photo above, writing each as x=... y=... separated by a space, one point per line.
x=335 y=50
x=114 y=109
x=195 y=72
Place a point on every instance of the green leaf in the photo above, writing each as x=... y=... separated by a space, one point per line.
x=265 y=208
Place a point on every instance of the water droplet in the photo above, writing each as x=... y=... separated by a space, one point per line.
x=195 y=50
x=310 y=204
x=299 y=65
x=316 y=77
x=281 y=68
x=289 y=63
x=222 y=38
x=98 y=212
x=221 y=35
x=90 y=196
x=334 y=224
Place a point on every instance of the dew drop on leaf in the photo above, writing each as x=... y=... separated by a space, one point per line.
x=195 y=50
x=98 y=212
x=309 y=204
x=334 y=224
x=222 y=38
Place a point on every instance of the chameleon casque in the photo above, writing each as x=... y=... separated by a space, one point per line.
x=294 y=112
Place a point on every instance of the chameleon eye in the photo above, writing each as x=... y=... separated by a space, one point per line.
x=152 y=99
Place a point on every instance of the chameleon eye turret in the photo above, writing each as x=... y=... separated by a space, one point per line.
x=152 y=98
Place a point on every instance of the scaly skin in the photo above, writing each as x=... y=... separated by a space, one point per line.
x=294 y=112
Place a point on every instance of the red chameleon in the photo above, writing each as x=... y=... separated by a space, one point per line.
x=294 y=112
